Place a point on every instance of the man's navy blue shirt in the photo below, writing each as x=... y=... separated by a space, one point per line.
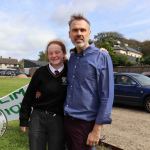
x=90 y=90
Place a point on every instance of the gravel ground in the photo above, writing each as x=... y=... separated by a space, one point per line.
x=130 y=129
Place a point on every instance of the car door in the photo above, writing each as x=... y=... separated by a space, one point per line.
x=127 y=90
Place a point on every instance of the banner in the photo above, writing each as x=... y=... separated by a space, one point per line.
x=3 y=123
x=10 y=104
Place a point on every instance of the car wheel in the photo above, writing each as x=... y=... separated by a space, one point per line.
x=147 y=104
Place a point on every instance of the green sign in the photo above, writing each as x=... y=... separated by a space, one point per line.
x=10 y=104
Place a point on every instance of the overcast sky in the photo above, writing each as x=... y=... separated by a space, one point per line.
x=26 y=26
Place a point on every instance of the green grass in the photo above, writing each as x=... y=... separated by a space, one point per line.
x=9 y=84
x=13 y=138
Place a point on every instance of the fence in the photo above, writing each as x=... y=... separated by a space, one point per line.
x=135 y=69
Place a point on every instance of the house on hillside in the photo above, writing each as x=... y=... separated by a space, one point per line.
x=132 y=53
x=30 y=66
x=6 y=63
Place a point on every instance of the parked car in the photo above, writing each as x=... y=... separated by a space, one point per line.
x=2 y=72
x=146 y=74
x=132 y=89
x=10 y=72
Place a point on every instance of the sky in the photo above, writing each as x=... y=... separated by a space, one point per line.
x=26 y=26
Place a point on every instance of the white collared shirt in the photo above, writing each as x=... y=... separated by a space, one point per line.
x=53 y=69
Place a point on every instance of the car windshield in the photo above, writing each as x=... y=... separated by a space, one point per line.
x=142 y=79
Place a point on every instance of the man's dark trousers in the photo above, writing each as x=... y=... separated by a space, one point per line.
x=76 y=132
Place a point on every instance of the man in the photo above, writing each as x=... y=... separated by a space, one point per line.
x=90 y=89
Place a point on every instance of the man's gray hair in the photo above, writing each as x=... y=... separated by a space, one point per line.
x=78 y=17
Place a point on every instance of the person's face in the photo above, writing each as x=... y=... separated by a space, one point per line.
x=79 y=34
x=55 y=55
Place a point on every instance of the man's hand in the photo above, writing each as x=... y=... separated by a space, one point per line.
x=94 y=136
x=24 y=129
x=104 y=49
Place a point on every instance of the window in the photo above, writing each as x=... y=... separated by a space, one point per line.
x=124 y=80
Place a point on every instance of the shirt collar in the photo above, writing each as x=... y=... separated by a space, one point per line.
x=53 y=69
x=90 y=49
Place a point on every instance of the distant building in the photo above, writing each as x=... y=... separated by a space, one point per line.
x=132 y=53
x=8 y=63
x=127 y=51
x=31 y=65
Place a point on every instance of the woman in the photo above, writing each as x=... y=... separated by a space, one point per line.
x=45 y=96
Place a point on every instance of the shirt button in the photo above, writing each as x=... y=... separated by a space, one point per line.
x=71 y=86
x=66 y=105
x=73 y=76
x=75 y=67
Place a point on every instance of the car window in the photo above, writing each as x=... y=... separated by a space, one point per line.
x=144 y=80
x=125 y=80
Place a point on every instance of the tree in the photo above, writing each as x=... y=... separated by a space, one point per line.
x=42 y=56
x=108 y=40
x=21 y=64
x=133 y=43
x=120 y=60
x=146 y=60
x=145 y=47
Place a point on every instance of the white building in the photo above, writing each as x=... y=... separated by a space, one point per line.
x=127 y=51
x=8 y=63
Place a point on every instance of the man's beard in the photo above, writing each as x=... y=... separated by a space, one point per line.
x=79 y=45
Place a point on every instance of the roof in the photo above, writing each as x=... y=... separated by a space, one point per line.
x=127 y=49
x=33 y=63
x=38 y=63
x=125 y=73
x=133 y=50
x=9 y=61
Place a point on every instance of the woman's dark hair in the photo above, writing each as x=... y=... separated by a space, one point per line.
x=58 y=42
